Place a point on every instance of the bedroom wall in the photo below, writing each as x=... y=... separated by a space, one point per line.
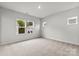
x=57 y=28
x=8 y=26
x=0 y=26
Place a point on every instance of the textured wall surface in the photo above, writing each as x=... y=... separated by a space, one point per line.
x=8 y=26
x=57 y=28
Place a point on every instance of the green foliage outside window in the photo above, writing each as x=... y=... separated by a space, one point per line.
x=21 y=23
x=21 y=28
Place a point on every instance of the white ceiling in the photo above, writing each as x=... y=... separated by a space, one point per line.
x=45 y=8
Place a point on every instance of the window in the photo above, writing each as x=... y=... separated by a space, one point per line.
x=30 y=24
x=21 y=26
x=72 y=20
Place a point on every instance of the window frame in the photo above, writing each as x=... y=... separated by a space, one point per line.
x=72 y=19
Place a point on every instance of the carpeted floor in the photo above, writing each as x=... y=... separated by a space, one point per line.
x=39 y=47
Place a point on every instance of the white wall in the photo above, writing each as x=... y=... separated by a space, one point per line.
x=8 y=26
x=57 y=28
x=0 y=27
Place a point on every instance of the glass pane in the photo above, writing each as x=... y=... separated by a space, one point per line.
x=21 y=30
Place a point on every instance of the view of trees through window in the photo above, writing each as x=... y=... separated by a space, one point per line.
x=22 y=25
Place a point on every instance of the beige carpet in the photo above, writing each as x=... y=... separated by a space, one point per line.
x=39 y=47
